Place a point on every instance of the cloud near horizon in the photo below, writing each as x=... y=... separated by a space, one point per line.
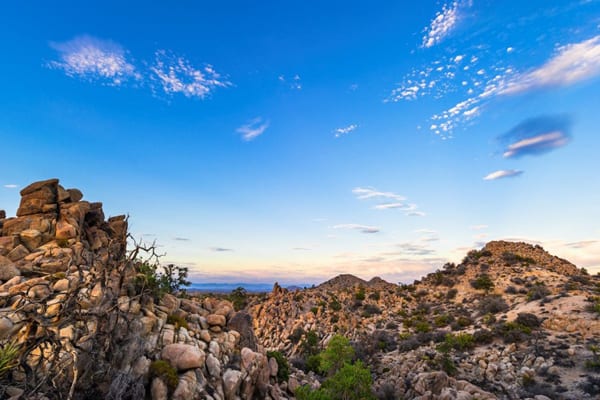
x=253 y=129
x=220 y=249
x=536 y=136
x=503 y=173
x=358 y=227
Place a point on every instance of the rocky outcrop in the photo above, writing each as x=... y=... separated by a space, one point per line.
x=73 y=300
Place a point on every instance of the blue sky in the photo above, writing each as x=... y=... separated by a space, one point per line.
x=293 y=142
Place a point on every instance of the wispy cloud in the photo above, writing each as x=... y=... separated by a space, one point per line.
x=536 y=136
x=253 y=128
x=220 y=249
x=392 y=200
x=339 y=132
x=11 y=186
x=358 y=227
x=416 y=214
x=415 y=249
x=503 y=173
x=478 y=227
x=571 y=64
x=295 y=83
x=176 y=75
x=371 y=193
x=441 y=26
x=94 y=59
x=181 y=239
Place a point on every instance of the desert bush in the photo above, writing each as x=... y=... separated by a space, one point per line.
x=537 y=292
x=492 y=305
x=335 y=305
x=529 y=320
x=483 y=282
x=172 y=279
x=283 y=368
x=483 y=336
x=460 y=342
x=370 y=309
x=512 y=332
x=387 y=391
x=442 y=320
x=239 y=298
x=451 y=294
x=360 y=294
x=164 y=371
x=422 y=326
x=512 y=259
x=375 y=296
x=296 y=335
x=178 y=321
x=510 y=290
x=408 y=344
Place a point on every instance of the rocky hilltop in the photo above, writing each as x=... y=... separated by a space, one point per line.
x=510 y=321
x=78 y=318
x=81 y=317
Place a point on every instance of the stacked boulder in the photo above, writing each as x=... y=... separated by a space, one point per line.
x=71 y=301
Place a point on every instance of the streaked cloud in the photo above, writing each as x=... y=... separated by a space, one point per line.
x=358 y=227
x=181 y=239
x=220 y=249
x=416 y=214
x=94 y=59
x=442 y=25
x=503 y=173
x=536 y=136
x=11 y=186
x=415 y=249
x=478 y=227
x=339 y=132
x=176 y=75
x=387 y=206
x=253 y=129
x=571 y=64
x=371 y=193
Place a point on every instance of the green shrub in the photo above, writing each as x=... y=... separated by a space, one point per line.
x=239 y=298
x=283 y=368
x=335 y=305
x=164 y=370
x=512 y=332
x=460 y=341
x=9 y=357
x=172 y=279
x=422 y=326
x=310 y=345
x=492 y=304
x=351 y=382
x=442 y=320
x=178 y=321
x=360 y=294
x=483 y=282
x=338 y=352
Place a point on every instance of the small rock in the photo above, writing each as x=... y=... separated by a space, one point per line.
x=159 y=390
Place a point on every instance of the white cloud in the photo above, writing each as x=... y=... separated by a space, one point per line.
x=11 y=186
x=551 y=140
x=370 y=193
x=387 y=206
x=177 y=75
x=573 y=63
x=478 y=227
x=503 y=173
x=345 y=130
x=94 y=59
x=416 y=214
x=295 y=83
x=441 y=25
x=253 y=128
x=361 y=228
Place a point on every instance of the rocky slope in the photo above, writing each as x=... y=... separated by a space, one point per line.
x=510 y=322
x=75 y=306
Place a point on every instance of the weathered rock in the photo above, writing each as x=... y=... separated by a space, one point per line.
x=75 y=195
x=186 y=389
x=18 y=253
x=216 y=320
x=242 y=323
x=213 y=366
x=159 y=390
x=6 y=326
x=232 y=379
x=31 y=238
x=183 y=356
x=7 y=269
x=170 y=302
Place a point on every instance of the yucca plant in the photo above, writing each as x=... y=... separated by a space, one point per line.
x=9 y=355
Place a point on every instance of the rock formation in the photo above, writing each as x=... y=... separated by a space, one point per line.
x=73 y=303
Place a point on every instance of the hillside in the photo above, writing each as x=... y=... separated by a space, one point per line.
x=511 y=321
